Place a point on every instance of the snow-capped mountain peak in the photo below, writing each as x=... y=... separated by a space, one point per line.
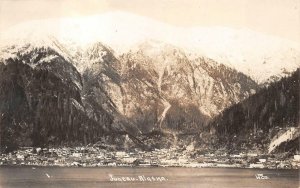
x=256 y=54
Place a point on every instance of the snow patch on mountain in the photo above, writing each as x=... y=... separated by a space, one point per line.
x=259 y=55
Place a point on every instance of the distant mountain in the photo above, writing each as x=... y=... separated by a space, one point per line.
x=258 y=121
x=260 y=56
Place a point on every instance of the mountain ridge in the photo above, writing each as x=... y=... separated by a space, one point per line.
x=258 y=55
x=130 y=94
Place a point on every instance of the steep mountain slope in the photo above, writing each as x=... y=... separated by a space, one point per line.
x=45 y=101
x=155 y=85
x=75 y=95
x=102 y=82
x=262 y=118
x=163 y=89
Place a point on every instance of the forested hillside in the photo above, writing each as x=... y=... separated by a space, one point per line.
x=41 y=104
x=253 y=123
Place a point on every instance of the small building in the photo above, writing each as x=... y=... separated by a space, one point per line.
x=252 y=154
x=256 y=165
x=120 y=153
x=77 y=154
x=20 y=157
x=297 y=157
x=262 y=160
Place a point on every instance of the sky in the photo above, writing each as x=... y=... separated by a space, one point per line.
x=274 y=17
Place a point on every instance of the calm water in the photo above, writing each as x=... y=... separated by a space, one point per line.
x=175 y=177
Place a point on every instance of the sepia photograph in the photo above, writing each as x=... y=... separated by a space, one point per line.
x=149 y=93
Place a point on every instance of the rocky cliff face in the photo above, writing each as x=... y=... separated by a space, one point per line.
x=165 y=89
x=59 y=94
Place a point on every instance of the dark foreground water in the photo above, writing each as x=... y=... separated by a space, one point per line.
x=146 y=177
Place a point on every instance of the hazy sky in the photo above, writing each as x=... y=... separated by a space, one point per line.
x=276 y=17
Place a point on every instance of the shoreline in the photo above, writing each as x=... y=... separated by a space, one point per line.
x=128 y=166
x=96 y=157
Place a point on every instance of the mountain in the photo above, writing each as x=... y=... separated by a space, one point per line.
x=45 y=101
x=116 y=76
x=93 y=95
x=264 y=121
x=164 y=89
x=263 y=57
x=102 y=82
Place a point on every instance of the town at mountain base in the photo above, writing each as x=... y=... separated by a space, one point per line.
x=156 y=96
x=46 y=102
